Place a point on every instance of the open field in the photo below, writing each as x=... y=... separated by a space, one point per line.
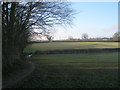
x=80 y=70
x=73 y=71
x=68 y=45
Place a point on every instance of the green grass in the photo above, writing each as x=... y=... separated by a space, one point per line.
x=98 y=70
x=83 y=70
x=68 y=45
x=83 y=61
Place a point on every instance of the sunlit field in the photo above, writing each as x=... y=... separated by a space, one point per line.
x=73 y=70
x=68 y=45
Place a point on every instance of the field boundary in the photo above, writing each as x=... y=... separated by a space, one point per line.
x=73 y=41
x=72 y=51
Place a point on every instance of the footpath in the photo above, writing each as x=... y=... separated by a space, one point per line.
x=13 y=79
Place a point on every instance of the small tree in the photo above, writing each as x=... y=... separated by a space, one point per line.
x=116 y=36
x=84 y=36
x=70 y=38
x=50 y=38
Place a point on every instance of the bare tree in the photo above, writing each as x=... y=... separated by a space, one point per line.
x=116 y=36
x=50 y=38
x=70 y=38
x=84 y=36
x=20 y=19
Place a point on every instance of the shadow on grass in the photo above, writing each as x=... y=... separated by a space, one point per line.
x=70 y=51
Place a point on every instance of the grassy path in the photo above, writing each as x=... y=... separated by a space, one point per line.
x=13 y=79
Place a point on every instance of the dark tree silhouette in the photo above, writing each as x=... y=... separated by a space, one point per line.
x=19 y=21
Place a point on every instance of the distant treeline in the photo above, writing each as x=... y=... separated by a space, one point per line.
x=73 y=41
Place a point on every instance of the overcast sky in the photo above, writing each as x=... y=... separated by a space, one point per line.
x=97 y=19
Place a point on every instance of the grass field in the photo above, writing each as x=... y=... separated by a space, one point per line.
x=80 y=70
x=98 y=70
x=68 y=45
